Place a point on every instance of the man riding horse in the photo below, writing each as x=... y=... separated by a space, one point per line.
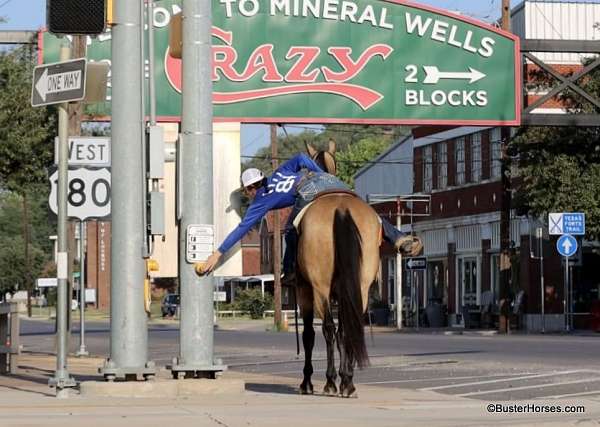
x=295 y=183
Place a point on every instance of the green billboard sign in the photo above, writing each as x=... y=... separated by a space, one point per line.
x=327 y=61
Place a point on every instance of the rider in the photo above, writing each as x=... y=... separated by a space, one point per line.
x=296 y=182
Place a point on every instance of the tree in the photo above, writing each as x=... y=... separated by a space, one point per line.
x=560 y=172
x=559 y=168
x=19 y=267
x=357 y=155
x=348 y=139
x=25 y=144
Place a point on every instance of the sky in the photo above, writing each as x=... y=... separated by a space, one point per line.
x=31 y=15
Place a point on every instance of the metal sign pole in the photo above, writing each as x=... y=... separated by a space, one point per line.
x=82 y=350
x=539 y=236
x=417 y=296
x=399 y=269
x=62 y=380
x=566 y=294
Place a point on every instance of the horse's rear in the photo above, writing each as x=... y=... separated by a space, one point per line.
x=338 y=257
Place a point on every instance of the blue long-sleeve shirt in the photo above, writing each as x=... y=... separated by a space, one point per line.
x=280 y=192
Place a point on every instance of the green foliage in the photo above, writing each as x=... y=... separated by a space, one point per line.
x=357 y=155
x=560 y=167
x=12 y=243
x=559 y=172
x=252 y=301
x=25 y=155
x=355 y=146
x=15 y=275
x=25 y=132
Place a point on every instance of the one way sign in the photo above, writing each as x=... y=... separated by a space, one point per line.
x=59 y=82
x=417 y=263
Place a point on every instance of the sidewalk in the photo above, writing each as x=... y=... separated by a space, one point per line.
x=26 y=400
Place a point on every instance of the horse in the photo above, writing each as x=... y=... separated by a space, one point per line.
x=337 y=261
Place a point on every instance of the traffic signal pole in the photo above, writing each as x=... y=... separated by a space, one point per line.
x=128 y=326
x=196 y=341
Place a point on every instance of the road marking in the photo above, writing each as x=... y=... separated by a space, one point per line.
x=526 y=377
x=527 y=387
x=561 y=396
x=441 y=379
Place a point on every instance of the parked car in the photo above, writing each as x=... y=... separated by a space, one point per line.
x=169 y=305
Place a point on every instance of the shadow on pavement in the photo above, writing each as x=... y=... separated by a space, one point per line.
x=271 y=388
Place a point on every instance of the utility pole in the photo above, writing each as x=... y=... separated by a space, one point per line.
x=505 y=205
x=195 y=169
x=276 y=239
x=128 y=325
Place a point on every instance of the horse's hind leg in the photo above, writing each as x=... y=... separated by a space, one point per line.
x=347 y=388
x=308 y=341
x=329 y=334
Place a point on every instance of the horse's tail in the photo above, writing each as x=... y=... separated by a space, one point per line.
x=346 y=279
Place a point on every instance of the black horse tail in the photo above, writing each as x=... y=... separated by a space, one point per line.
x=346 y=280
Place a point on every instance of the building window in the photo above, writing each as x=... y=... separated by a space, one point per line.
x=476 y=157
x=427 y=169
x=442 y=165
x=459 y=156
x=496 y=149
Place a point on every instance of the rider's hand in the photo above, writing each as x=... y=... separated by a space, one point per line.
x=209 y=265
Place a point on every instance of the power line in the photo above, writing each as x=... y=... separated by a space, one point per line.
x=5 y=3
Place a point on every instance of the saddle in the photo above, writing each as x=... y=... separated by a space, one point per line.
x=324 y=193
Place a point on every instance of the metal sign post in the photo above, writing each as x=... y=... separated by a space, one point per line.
x=567 y=247
x=82 y=350
x=62 y=380
x=539 y=235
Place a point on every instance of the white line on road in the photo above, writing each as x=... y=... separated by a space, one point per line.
x=443 y=379
x=561 y=396
x=526 y=377
x=527 y=387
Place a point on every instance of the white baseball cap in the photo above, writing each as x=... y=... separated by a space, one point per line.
x=251 y=176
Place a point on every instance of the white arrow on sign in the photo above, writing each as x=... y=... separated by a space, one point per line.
x=55 y=83
x=567 y=246
x=434 y=75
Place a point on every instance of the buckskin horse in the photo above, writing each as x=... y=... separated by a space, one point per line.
x=338 y=260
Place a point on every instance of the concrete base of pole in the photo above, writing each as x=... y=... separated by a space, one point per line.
x=186 y=370
x=162 y=388
x=133 y=373
x=62 y=383
x=82 y=352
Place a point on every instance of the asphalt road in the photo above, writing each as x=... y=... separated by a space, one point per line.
x=490 y=368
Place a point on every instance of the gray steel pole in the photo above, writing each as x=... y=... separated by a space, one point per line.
x=566 y=294
x=196 y=324
x=128 y=326
x=398 y=269
x=62 y=380
x=82 y=350
x=540 y=236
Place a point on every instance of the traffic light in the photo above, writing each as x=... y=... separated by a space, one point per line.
x=87 y=17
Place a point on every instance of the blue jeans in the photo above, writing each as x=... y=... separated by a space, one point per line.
x=313 y=184
x=310 y=185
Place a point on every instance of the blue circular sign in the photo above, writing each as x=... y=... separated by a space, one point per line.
x=566 y=245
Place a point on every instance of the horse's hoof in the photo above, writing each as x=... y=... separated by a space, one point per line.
x=348 y=391
x=306 y=388
x=330 y=390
